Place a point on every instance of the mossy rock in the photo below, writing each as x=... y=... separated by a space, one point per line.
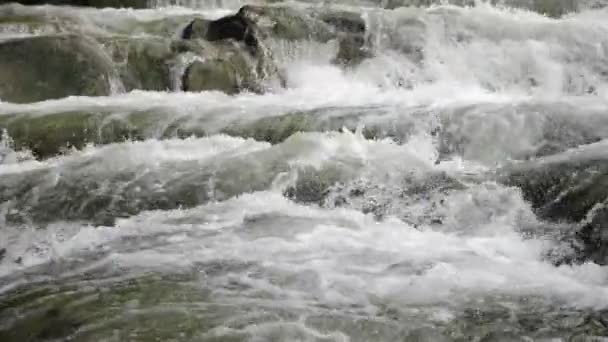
x=56 y=311
x=47 y=135
x=287 y=23
x=143 y=63
x=274 y=129
x=215 y=74
x=51 y=67
x=227 y=70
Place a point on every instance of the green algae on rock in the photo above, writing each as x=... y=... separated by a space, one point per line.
x=50 y=67
x=143 y=63
x=47 y=135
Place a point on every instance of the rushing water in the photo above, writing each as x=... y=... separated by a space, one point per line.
x=365 y=203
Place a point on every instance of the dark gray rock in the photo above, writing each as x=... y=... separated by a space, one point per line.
x=594 y=236
x=237 y=27
x=253 y=24
x=571 y=190
x=351 y=50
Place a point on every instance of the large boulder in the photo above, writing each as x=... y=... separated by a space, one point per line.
x=251 y=25
x=51 y=67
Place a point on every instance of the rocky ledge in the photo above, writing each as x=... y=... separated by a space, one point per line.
x=230 y=54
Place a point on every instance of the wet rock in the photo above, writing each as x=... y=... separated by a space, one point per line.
x=215 y=74
x=564 y=191
x=313 y=186
x=571 y=190
x=343 y=21
x=288 y=23
x=275 y=129
x=237 y=27
x=351 y=50
x=50 y=134
x=594 y=235
x=226 y=70
x=349 y=29
x=50 y=67
x=253 y=24
x=196 y=29
x=143 y=63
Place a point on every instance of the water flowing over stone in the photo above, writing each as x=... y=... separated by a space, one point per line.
x=353 y=170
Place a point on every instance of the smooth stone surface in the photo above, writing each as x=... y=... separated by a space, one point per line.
x=51 y=67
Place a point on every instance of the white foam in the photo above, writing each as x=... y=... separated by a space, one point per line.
x=354 y=257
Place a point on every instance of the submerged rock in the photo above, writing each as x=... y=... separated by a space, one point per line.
x=571 y=190
x=594 y=235
x=51 y=67
x=225 y=67
x=214 y=74
x=143 y=63
x=47 y=135
x=351 y=50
